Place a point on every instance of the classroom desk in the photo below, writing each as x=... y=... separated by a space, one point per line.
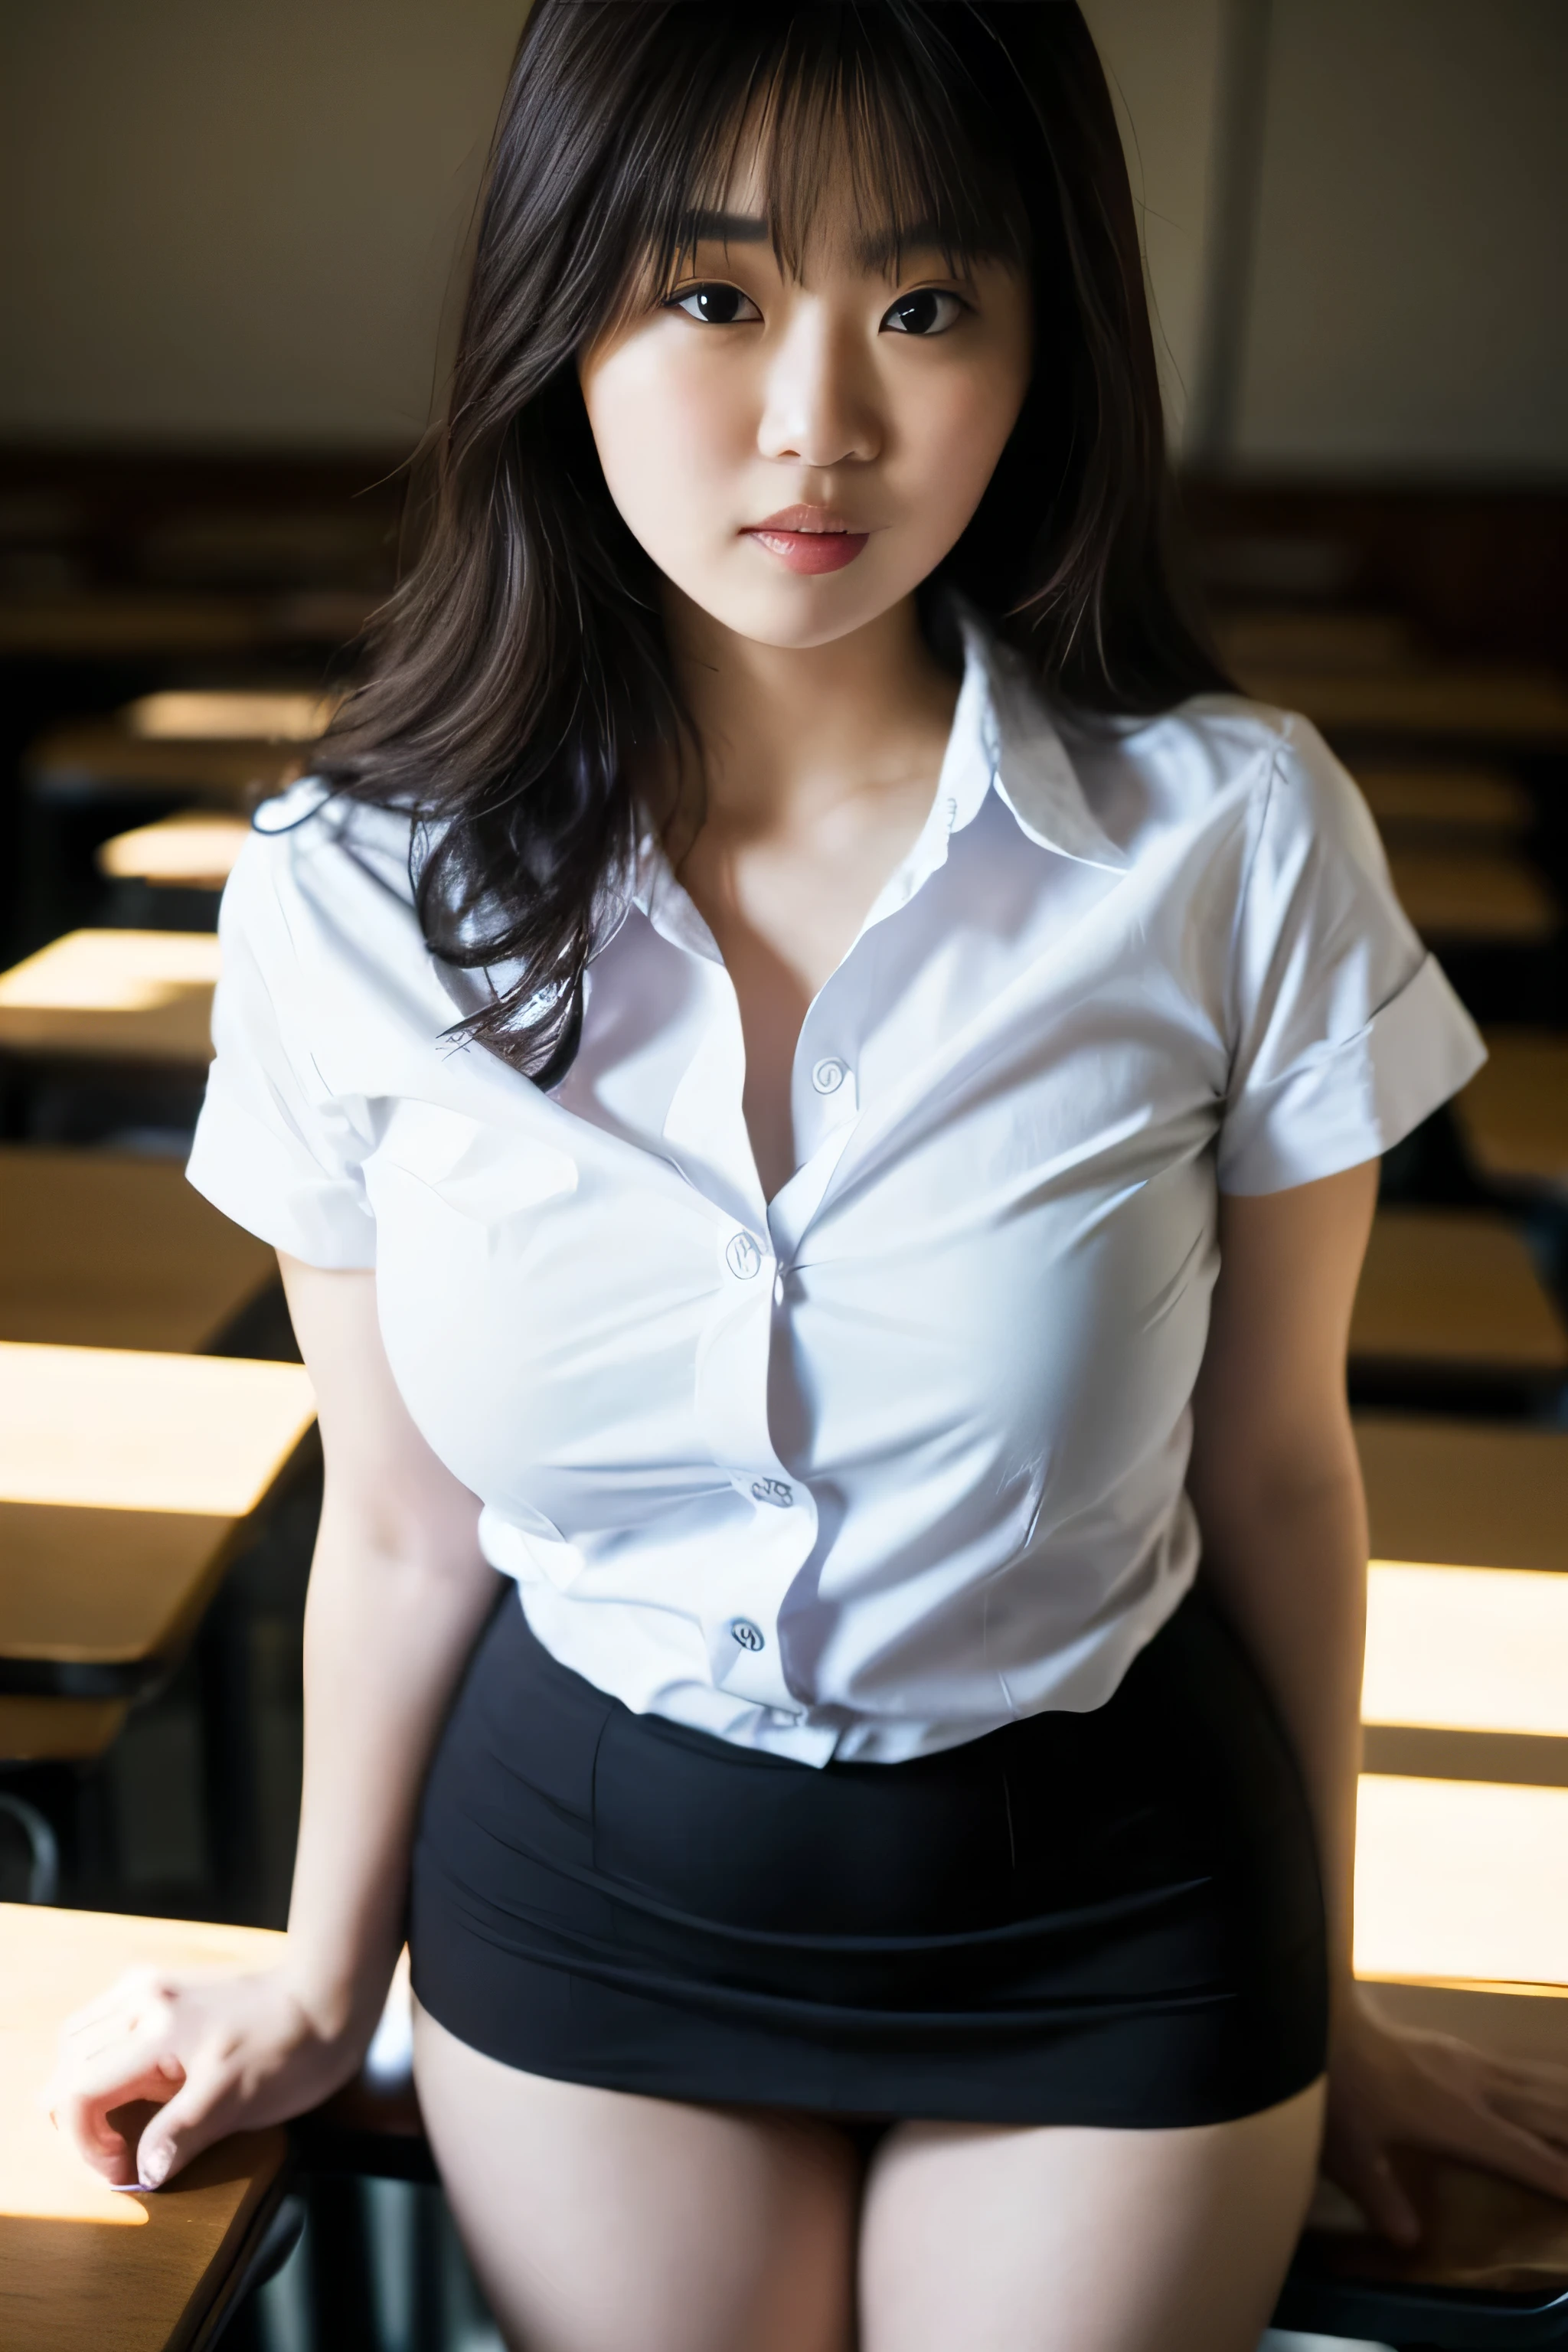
x=228 y=714
x=131 y=623
x=81 y=2268
x=1462 y=1925
x=113 y=996
x=1464 y=1494
x=1479 y=894
x=194 y=850
x=1288 y=638
x=1461 y=1893
x=1513 y=1115
x=1458 y=703
x=110 y=1250
x=100 y=759
x=1467 y=1674
x=1453 y=1291
x=1414 y=801
x=113 y=1547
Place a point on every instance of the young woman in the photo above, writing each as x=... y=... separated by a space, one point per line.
x=858 y=1066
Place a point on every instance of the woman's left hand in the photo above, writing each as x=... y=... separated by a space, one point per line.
x=1391 y=2086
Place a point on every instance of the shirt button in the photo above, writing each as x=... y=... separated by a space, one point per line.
x=749 y=1636
x=772 y=1490
x=828 y=1077
x=949 y=811
x=742 y=1256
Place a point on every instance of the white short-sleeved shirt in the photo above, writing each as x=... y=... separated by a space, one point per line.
x=875 y=1467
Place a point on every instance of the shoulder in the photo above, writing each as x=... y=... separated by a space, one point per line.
x=319 y=874
x=1220 y=763
x=319 y=918
x=313 y=841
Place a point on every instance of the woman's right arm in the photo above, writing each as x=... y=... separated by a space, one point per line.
x=398 y=1592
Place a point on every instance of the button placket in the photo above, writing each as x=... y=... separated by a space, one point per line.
x=742 y=1597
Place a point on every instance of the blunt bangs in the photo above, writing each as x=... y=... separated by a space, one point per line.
x=869 y=104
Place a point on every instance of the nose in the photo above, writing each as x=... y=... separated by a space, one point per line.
x=819 y=406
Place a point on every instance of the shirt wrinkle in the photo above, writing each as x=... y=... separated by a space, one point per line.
x=868 y=1469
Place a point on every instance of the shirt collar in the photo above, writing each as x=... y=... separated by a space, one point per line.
x=1023 y=754
x=1003 y=737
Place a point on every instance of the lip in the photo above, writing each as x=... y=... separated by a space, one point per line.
x=808 y=538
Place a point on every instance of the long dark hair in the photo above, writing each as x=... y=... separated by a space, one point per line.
x=523 y=659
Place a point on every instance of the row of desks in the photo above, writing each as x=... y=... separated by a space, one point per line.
x=145 y=998
x=113 y=1251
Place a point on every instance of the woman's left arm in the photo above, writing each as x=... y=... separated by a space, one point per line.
x=1276 y=1487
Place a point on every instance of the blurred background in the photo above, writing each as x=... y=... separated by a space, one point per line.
x=230 y=248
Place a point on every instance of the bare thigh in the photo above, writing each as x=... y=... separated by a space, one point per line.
x=598 y=2221
x=1069 y=2241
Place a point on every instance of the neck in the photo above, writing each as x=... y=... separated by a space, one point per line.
x=784 y=728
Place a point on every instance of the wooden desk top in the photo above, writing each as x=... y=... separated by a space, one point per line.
x=81 y=2268
x=113 y=1544
x=107 y=1250
x=1298 y=637
x=1476 y=893
x=1463 y=704
x=229 y=715
x=1457 y=1288
x=1468 y=1649
x=141 y=996
x=1513 y=1115
x=109 y=624
x=99 y=757
x=1417 y=799
x=1464 y=1494
x=194 y=850
x=1461 y=1882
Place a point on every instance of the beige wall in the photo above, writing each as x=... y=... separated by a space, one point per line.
x=1163 y=60
x=1408 y=310
x=235 y=221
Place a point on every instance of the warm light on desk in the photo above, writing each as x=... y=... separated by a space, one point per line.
x=111 y=971
x=51 y=1962
x=230 y=717
x=1462 y=1881
x=1513 y=1115
x=193 y=851
x=1467 y=1649
x=1428 y=798
x=110 y=1429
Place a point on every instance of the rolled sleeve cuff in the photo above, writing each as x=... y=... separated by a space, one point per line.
x=245 y=1170
x=1353 y=1100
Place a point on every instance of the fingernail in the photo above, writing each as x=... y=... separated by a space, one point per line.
x=154 y=2170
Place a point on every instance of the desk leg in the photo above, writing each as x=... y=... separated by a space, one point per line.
x=342 y=2299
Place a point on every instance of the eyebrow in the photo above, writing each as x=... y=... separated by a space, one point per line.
x=878 y=249
x=724 y=228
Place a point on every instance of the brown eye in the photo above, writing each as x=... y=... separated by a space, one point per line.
x=716 y=306
x=927 y=312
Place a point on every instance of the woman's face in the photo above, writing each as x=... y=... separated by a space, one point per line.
x=797 y=454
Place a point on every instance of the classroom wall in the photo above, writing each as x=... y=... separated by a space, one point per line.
x=1406 y=311
x=1163 y=60
x=236 y=224
x=234 y=221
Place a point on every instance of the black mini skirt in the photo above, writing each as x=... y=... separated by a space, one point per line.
x=1111 y=1918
